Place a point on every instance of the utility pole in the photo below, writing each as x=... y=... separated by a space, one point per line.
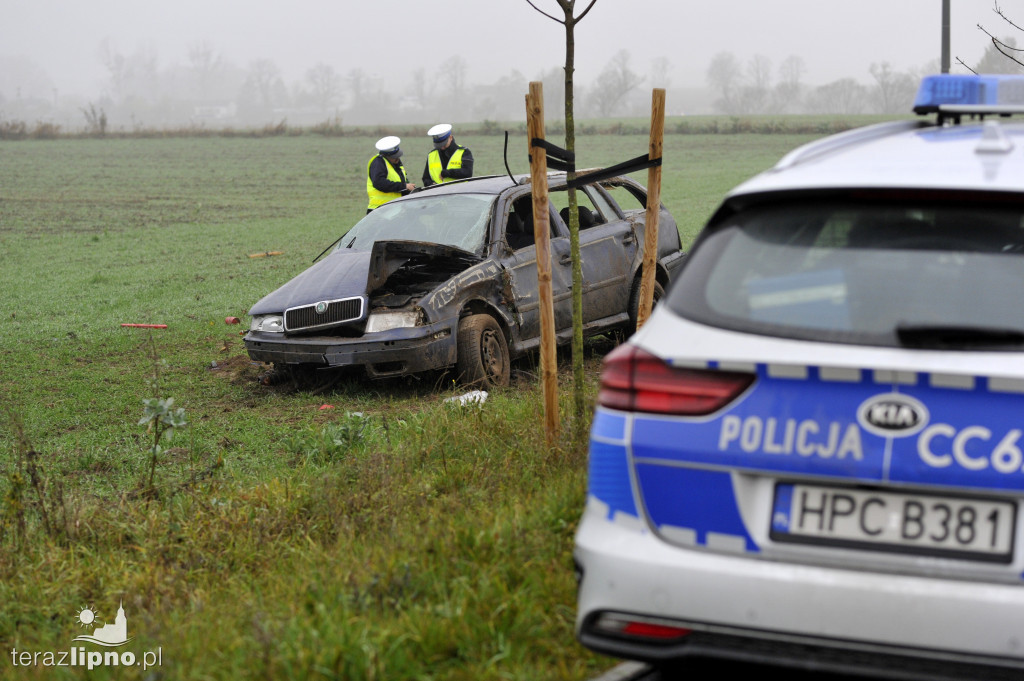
x=945 y=36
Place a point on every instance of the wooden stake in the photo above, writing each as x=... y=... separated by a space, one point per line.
x=647 y=277
x=542 y=237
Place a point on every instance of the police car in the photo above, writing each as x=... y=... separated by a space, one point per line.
x=812 y=455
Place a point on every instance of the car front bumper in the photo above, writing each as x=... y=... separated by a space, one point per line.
x=397 y=352
x=797 y=615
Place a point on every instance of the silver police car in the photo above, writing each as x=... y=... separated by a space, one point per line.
x=812 y=455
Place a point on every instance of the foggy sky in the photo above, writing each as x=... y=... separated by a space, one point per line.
x=836 y=39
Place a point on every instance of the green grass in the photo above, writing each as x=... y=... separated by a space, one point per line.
x=417 y=541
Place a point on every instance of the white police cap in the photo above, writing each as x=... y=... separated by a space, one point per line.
x=440 y=132
x=388 y=146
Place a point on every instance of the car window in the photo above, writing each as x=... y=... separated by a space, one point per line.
x=519 y=224
x=589 y=214
x=627 y=198
x=859 y=273
x=458 y=220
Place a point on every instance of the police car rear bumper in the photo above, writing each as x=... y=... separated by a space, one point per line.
x=786 y=613
x=397 y=352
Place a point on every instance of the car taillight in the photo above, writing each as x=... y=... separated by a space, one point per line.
x=635 y=380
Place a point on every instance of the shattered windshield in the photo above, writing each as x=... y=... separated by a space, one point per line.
x=458 y=220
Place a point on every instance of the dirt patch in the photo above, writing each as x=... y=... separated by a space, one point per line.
x=238 y=369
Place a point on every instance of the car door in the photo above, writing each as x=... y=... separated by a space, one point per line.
x=522 y=269
x=631 y=201
x=608 y=246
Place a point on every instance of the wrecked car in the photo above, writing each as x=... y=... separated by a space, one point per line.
x=446 y=278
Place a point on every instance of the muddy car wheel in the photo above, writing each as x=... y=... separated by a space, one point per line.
x=634 y=303
x=483 y=353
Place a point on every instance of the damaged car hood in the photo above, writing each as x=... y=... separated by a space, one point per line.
x=348 y=272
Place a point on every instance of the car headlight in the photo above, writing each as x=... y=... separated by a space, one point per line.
x=385 y=321
x=267 y=323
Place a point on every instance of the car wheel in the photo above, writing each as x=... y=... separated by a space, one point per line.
x=483 y=358
x=634 y=303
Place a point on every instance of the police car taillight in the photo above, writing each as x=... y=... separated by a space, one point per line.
x=635 y=380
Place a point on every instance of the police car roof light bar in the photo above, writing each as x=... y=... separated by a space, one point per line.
x=951 y=96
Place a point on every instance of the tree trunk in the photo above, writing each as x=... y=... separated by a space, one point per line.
x=579 y=399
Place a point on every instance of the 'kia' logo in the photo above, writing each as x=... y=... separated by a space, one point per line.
x=892 y=415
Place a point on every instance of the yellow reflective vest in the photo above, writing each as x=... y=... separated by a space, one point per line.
x=377 y=197
x=434 y=164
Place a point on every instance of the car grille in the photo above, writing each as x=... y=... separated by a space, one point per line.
x=334 y=312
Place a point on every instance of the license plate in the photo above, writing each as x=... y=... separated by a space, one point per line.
x=957 y=527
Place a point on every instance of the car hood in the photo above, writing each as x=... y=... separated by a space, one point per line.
x=346 y=273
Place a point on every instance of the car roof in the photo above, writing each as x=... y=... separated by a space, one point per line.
x=493 y=184
x=910 y=154
x=484 y=184
x=487 y=184
x=498 y=184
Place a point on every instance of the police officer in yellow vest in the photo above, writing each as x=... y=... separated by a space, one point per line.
x=386 y=178
x=448 y=161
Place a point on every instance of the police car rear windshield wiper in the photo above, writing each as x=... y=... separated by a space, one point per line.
x=937 y=337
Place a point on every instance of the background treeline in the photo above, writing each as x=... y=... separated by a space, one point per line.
x=679 y=125
x=208 y=91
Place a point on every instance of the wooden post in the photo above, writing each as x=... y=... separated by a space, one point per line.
x=647 y=277
x=542 y=237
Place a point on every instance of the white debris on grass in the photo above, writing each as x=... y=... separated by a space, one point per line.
x=472 y=397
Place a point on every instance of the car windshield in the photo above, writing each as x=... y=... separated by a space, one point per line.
x=892 y=273
x=458 y=220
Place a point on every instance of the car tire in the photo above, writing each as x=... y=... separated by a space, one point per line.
x=483 y=358
x=634 y=303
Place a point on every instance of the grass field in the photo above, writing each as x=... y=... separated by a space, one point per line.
x=392 y=536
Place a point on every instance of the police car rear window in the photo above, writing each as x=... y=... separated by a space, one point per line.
x=863 y=272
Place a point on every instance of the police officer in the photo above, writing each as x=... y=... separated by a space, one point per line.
x=386 y=178
x=448 y=161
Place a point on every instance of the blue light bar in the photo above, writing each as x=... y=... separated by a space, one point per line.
x=970 y=94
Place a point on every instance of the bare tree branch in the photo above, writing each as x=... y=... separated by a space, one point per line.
x=530 y=3
x=999 y=47
x=999 y=10
x=584 y=12
x=961 y=62
x=999 y=43
x=567 y=6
